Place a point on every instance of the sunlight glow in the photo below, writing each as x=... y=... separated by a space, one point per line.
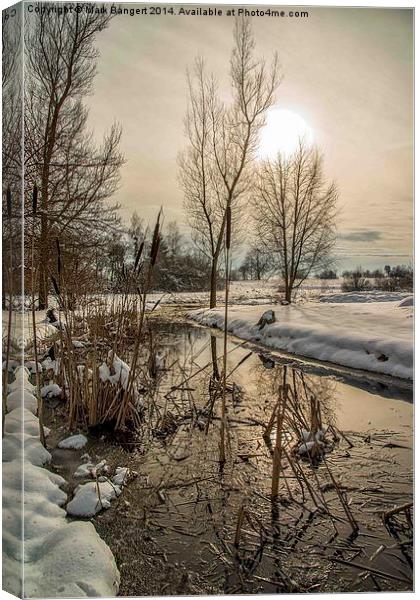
x=281 y=133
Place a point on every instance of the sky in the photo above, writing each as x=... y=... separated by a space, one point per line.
x=347 y=74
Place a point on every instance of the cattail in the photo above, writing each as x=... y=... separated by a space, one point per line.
x=57 y=243
x=155 y=240
x=228 y=226
x=155 y=252
x=34 y=200
x=56 y=288
x=138 y=255
x=9 y=202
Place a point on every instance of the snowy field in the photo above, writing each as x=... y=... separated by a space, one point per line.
x=250 y=292
x=363 y=331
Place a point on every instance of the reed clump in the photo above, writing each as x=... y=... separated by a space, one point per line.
x=99 y=345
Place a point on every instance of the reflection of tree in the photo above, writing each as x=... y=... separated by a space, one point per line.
x=301 y=388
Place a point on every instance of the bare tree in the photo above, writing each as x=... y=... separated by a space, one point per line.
x=136 y=233
x=258 y=262
x=173 y=238
x=295 y=212
x=74 y=175
x=215 y=167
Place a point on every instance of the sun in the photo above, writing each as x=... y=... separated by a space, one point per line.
x=281 y=133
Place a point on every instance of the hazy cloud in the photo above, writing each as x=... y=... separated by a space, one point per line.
x=362 y=236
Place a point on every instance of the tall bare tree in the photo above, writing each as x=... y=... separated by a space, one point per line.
x=215 y=167
x=75 y=176
x=294 y=209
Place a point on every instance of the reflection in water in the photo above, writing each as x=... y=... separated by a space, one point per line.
x=224 y=531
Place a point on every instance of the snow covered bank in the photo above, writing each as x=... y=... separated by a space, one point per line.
x=57 y=558
x=21 y=334
x=375 y=336
x=371 y=296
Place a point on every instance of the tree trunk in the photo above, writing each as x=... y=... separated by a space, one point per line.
x=213 y=281
x=288 y=291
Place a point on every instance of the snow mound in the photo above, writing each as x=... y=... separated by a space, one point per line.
x=51 y=391
x=15 y=399
x=121 y=475
x=21 y=380
x=89 y=469
x=73 y=562
x=61 y=559
x=373 y=336
x=11 y=366
x=407 y=302
x=34 y=452
x=74 y=442
x=87 y=502
x=78 y=344
x=23 y=420
x=31 y=365
x=120 y=368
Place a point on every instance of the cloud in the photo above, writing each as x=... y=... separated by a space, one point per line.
x=362 y=235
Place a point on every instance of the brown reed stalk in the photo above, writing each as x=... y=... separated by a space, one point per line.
x=222 y=458
x=154 y=251
x=37 y=378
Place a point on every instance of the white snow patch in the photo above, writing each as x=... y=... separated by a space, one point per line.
x=62 y=559
x=371 y=296
x=372 y=336
x=11 y=365
x=87 y=502
x=18 y=397
x=78 y=344
x=121 y=475
x=51 y=390
x=74 y=442
x=407 y=302
x=31 y=365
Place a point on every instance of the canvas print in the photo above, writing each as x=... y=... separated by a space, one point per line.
x=207 y=299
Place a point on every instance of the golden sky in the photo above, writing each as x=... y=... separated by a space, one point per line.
x=347 y=72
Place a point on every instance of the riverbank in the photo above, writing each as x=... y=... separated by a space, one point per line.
x=361 y=334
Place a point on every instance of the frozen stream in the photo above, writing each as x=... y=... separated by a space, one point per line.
x=173 y=529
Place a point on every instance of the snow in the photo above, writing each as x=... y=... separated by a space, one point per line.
x=11 y=365
x=14 y=400
x=374 y=336
x=84 y=470
x=74 y=442
x=120 y=374
x=51 y=390
x=371 y=296
x=21 y=380
x=62 y=559
x=31 y=365
x=89 y=469
x=21 y=335
x=78 y=344
x=87 y=502
x=121 y=475
x=407 y=302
